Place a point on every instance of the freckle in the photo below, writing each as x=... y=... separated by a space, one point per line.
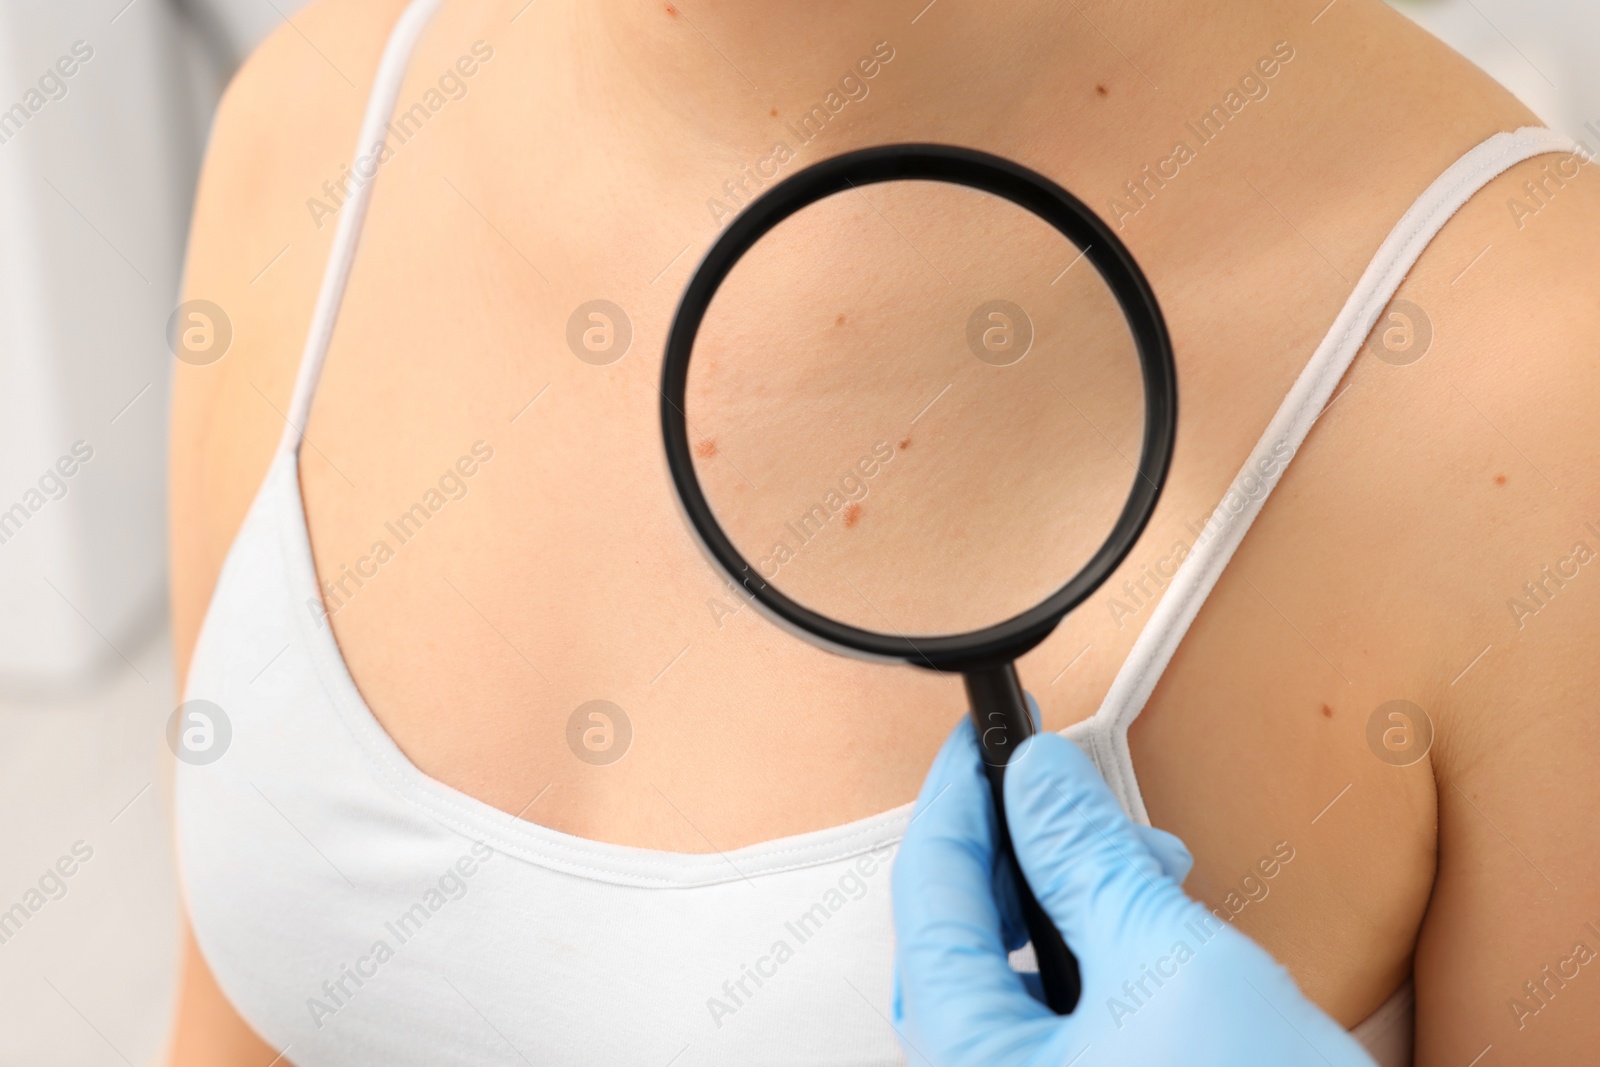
x=1101 y=90
x=852 y=515
x=774 y=112
x=707 y=448
x=839 y=321
x=1499 y=479
x=905 y=443
x=1327 y=712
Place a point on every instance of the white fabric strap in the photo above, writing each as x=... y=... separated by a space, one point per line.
x=1104 y=736
x=380 y=108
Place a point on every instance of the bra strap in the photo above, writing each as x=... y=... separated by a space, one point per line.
x=374 y=129
x=1104 y=736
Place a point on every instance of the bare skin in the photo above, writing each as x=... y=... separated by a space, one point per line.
x=585 y=152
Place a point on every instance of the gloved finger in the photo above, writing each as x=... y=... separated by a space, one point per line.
x=1034 y=711
x=1169 y=850
x=1082 y=856
x=961 y=1000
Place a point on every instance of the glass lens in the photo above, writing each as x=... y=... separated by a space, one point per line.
x=915 y=408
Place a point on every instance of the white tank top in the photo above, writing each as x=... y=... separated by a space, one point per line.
x=357 y=911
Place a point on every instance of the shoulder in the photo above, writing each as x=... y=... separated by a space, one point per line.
x=262 y=229
x=1490 y=486
x=1529 y=276
x=1503 y=432
x=1527 y=385
x=1510 y=288
x=272 y=185
x=294 y=103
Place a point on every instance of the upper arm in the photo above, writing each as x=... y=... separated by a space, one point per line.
x=1517 y=894
x=284 y=127
x=209 y=1031
x=256 y=251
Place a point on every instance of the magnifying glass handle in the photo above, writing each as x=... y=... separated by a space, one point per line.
x=1000 y=714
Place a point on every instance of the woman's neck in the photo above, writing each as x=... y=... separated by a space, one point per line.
x=738 y=72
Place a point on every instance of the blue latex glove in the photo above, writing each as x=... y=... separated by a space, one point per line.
x=1164 y=981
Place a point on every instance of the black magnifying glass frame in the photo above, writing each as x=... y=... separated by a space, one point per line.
x=985 y=657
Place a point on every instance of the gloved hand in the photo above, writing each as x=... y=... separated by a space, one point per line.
x=1165 y=982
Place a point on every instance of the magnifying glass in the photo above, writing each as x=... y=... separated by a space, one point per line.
x=918 y=403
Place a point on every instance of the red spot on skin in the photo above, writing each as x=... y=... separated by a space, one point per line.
x=1101 y=90
x=707 y=448
x=1327 y=712
x=672 y=11
x=852 y=515
x=1499 y=479
x=905 y=443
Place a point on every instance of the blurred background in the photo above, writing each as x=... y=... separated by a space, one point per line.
x=104 y=111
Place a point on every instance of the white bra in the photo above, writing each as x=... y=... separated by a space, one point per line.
x=356 y=911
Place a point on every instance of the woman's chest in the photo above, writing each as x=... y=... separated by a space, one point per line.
x=556 y=646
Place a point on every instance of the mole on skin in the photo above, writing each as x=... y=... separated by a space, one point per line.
x=1327 y=712
x=1499 y=479
x=839 y=321
x=707 y=448
x=852 y=515
x=1100 y=90
x=905 y=443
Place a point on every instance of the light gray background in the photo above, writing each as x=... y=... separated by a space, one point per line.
x=89 y=980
